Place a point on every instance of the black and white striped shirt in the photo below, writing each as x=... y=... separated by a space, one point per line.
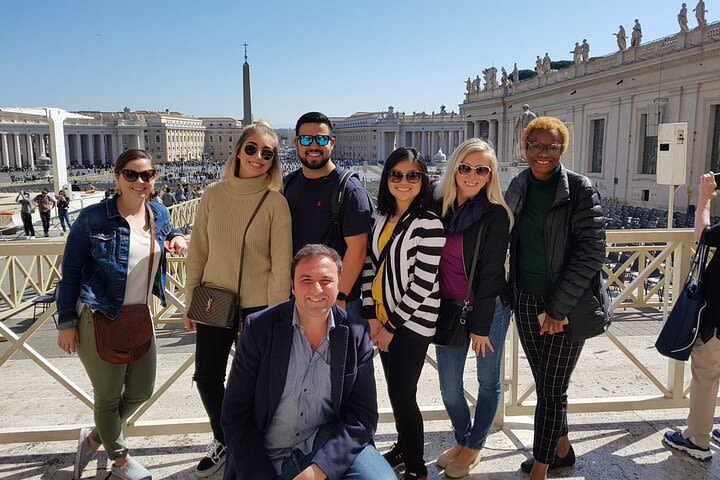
x=411 y=291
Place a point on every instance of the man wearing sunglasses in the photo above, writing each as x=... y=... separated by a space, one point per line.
x=310 y=193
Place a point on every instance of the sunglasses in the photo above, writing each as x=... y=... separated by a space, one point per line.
x=321 y=140
x=266 y=154
x=413 y=176
x=132 y=175
x=481 y=171
x=552 y=149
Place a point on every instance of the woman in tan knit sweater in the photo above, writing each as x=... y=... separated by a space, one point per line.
x=214 y=259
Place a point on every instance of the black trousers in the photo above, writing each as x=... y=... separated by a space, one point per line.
x=403 y=365
x=552 y=359
x=45 y=219
x=212 y=347
x=27 y=224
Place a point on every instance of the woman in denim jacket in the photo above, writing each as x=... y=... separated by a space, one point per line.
x=105 y=266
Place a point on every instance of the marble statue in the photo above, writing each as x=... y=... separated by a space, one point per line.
x=621 y=38
x=520 y=124
x=538 y=66
x=576 y=53
x=515 y=75
x=700 y=13
x=682 y=18
x=636 y=34
x=504 y=80
x=490 y=77
x=468 y=85
x=546 y=64
x=476 y=83
x=585 y=51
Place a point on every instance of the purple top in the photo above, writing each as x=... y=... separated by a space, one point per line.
x=453 y=282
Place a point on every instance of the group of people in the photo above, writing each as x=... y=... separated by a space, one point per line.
x=323 y=277
x=45 y=203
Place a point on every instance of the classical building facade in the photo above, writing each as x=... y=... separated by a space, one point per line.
x=98 y=140
x=372 y=136
x=612 y=106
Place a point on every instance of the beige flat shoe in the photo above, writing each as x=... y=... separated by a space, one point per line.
x=448 y=455
x=453 y=470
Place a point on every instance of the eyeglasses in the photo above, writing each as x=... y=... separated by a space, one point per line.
x=321 y=140
x=552 y=149
x=266 y=154
x=413 y=176
x=132 y=175
x=481 y=170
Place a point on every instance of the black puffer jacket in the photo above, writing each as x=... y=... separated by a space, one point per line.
x=575 y=246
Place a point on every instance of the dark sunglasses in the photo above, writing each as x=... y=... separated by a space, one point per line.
x=413 y=176
x=321 y=140
x=266 y=154
x=552 y=149
x=481 y=171
x=132 y=175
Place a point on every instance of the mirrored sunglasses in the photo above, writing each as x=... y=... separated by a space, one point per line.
x=552 y=149
x=481 y=171
x=413 y=176
x=266 y=153
x=321 y=140
x=132 y=175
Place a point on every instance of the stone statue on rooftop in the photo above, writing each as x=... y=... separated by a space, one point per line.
x=682 y=18
x=538 y=66
x=442 y=110
x=576 y=53
x=490 y=76
x=621 y=38
x=636 y=34
x=476 y=83
x=520 y=124
x=546 y=64
x=585 y=51
x=504 y=80
x=515 y=76
x=468 y=85
x=700 y=13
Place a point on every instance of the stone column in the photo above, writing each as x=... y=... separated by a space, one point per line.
x=91 y=148
x=103 y=149
x=67 y=147
x=18 y=153
x=78 y=150
x=5 y=151
x=41 y=144
x=492 y=133
x=470 y=129
x=118 y=141
x=30 y=160
x=478 y=129
x=446 y=142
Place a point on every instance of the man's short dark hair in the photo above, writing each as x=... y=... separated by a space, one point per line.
x=315 y=250
x=312 y=117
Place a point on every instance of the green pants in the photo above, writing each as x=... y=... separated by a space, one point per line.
x=119 y=389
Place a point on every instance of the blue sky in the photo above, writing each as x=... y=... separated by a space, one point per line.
x=335 y=57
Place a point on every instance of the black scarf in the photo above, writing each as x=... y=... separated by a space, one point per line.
x=460 y=219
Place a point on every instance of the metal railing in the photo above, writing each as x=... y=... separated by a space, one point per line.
x=638 y=279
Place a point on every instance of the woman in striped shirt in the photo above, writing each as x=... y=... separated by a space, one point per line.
x=401 y=295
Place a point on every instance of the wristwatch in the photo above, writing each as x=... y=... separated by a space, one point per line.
x=342 y=296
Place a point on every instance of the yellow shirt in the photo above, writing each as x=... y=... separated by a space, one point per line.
x=377 y=286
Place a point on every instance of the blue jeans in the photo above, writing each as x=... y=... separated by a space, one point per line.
x=369 y=464
x=451 y=364
x=64 y=218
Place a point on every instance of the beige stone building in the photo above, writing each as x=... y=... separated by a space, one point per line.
x=221 y=133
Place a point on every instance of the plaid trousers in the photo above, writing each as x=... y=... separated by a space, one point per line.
x=552 y=359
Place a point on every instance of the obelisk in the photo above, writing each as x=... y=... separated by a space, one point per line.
x=247 y=113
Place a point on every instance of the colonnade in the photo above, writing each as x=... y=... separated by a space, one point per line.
x=19 y=150
x=485 y=129
x=427 y=142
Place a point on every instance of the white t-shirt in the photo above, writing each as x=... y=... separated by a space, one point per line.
x=136 y=288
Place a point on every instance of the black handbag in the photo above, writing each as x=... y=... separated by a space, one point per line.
x=451 y=328
x=682 y=328
x=220 y=307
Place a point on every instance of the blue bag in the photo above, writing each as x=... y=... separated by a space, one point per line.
x=678 y=335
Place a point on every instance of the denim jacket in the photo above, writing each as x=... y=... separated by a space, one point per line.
x=95 y=263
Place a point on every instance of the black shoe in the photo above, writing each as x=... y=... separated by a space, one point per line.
x=414 y=476
x=213 y=460
x=566 y=461
x=395 y=457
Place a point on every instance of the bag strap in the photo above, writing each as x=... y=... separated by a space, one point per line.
x=242 y=249
x=151 y=222
x=399 y=228
x=474 y=264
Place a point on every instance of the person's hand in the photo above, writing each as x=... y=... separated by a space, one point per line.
x=707 y=187
x=313 y=472
x=375 y=327
x=551 y=326
x=68 y=340
x=177 y=245
x=189 y=323
x=383 y=340
x=480 y=345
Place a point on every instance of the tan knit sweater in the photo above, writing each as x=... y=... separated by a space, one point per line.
x=215 y=244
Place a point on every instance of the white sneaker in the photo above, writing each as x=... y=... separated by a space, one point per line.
x=132 y=470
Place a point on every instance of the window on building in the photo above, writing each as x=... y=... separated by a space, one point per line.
x=715 y=159
x=648 y=130
x=211 y=139
x=598 y=139
x=157 y=138
x=219 y=138
x=229 y=139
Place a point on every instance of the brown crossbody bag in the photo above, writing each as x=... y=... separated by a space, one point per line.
x=219 y=307
x=129 y=336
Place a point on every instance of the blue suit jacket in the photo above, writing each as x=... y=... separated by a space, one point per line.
x=257 y=380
